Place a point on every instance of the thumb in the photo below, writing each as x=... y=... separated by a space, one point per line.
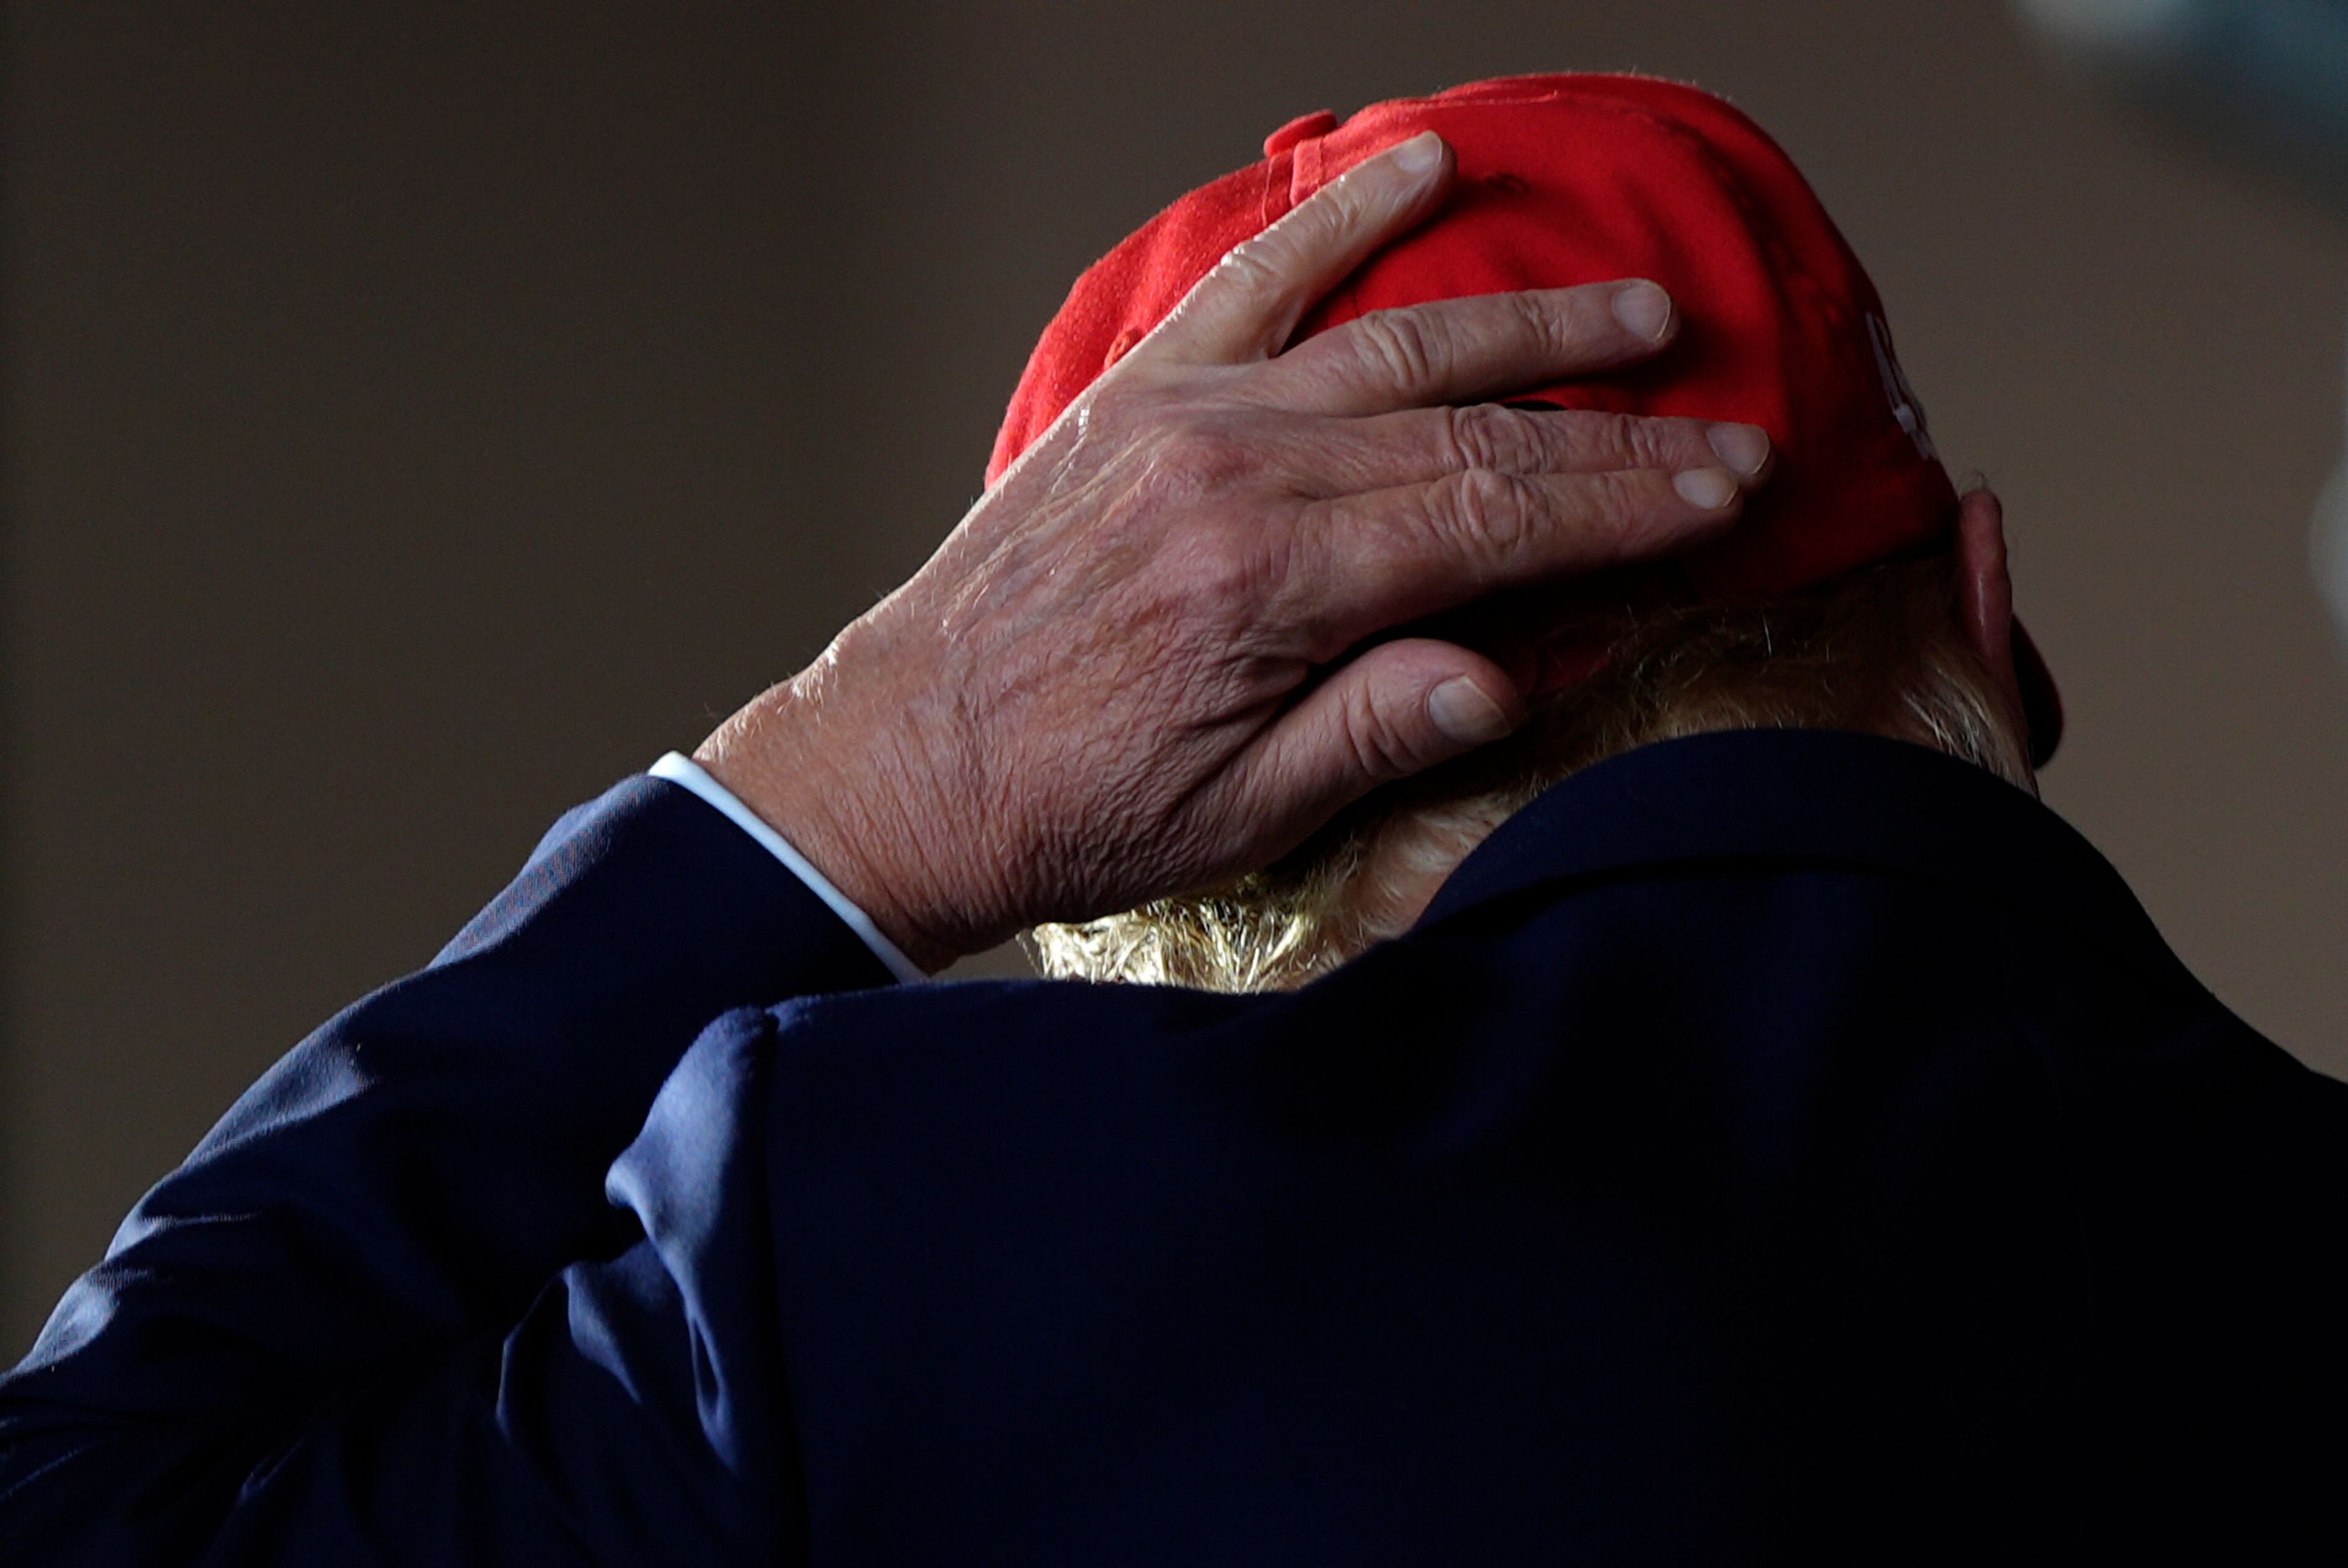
x=1397 y=710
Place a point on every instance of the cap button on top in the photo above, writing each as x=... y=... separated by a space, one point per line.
x=1303 y=128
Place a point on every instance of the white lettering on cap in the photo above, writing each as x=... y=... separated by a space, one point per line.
x=1905 y=408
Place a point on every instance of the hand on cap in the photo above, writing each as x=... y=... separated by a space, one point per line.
x=1130 y=671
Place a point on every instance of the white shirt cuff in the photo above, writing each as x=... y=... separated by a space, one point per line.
x=679 y=769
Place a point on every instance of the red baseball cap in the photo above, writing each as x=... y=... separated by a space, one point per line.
x=1566 y=180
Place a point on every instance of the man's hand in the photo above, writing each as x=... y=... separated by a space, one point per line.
x=1135 y=667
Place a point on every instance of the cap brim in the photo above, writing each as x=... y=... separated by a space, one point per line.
x=2042 y=704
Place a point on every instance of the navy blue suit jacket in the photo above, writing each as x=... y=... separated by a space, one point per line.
x=1771 y=1147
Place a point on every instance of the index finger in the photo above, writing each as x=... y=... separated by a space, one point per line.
x=1245 y=308
x=1465 y=350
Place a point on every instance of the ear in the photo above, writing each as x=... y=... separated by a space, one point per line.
x=1985 y=594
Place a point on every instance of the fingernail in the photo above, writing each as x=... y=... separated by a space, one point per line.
x=1743 y=448
x=1461 y=711
x=1645 y=311
x=1708 y=487
x=1420 y=154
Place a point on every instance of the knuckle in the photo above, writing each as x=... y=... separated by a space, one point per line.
x=1340 y=207
x=1494 y=512
x=1538 y=321
x=1383 y=750
x=1401 y=348
x=1221 y=565
x=1617 y=504
x=1336 y=210
x=1251 y=269
x=1670 y=443
x=1274 y=260
x=1486 y=436
x=1614 y=440
x=1625 y=441
x=1554 y=325
x=1203 y=457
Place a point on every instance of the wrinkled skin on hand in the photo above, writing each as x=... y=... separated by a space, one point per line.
x=1138 y=666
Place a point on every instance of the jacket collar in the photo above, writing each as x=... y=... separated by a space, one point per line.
x=1814 y=796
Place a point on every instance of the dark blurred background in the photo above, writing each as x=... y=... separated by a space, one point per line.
x=418 y=416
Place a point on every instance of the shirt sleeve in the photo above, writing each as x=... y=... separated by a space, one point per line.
x=679 y=769
x=404 y=1303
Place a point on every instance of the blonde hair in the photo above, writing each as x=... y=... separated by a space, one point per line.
x=1879 y=651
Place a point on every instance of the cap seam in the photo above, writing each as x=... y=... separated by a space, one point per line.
x=1301 y=185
